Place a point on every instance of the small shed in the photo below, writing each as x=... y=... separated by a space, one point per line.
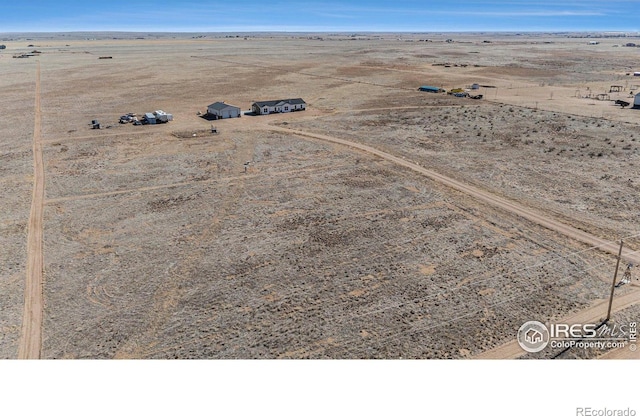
x=636 y=101
x=221 y=109
x=428 y=88
x=150 y=118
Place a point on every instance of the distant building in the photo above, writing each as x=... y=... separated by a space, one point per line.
x=279 y=106
x=223 y=110
x=428 y=88
x=162 y=116
x=150 y=118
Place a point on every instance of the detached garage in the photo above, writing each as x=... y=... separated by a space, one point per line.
x=223 y=110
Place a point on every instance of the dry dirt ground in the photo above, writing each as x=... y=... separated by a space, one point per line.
x=158 y=243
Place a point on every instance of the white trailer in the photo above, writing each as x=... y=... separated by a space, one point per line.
x=163 y=117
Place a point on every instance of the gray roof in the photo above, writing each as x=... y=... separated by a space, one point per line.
x=275 y=102
x=220 y=106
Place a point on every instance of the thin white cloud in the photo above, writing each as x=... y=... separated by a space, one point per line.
x=335 y=15
x=533 y=13
x=355 y=11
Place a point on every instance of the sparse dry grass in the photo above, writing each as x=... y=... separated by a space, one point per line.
x=159 y=245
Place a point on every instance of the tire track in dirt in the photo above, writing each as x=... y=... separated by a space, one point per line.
x=394 y=108
x=61 y=140
x=31 y=339
x=307 y=74
x=194 y=182
x=167 y=297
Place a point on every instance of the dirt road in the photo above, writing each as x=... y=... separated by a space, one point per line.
x=30 y=345
x=31 y=339
x=499 y=202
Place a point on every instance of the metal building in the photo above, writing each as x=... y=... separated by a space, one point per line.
x=429 y=88
x=150 y=118
x=223 y=110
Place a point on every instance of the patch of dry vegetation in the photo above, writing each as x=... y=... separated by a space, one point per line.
x=159 y=244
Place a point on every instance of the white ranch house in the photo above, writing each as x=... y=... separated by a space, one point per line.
x=279 y=106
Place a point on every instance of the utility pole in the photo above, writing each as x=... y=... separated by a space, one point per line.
x=613 y=284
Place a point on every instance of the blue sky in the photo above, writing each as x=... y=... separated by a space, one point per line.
x=282 y=15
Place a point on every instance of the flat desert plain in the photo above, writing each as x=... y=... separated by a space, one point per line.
x=381 y=222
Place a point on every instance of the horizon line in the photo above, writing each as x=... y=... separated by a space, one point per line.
x=341 y=31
